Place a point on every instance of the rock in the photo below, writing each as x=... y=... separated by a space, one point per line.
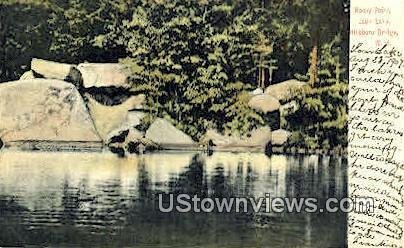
x=280 y=137
x=126 y=136
x=264 y=103
x=132 y=120
x=104 y=75
x=108 y=119
x=55 y=70
x=285 y=90
x=258 y=139
x=212 y=137
x=140 y=145
x=167 y=136
x=27 y=75
x=134 y=135
x=131 y=141
x=257 y=91
x=45 y=114
x=119 y=137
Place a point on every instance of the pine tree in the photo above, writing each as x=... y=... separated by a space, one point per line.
x=195 y=59
x=23 y=35
x=83 y=30
x=321 y=116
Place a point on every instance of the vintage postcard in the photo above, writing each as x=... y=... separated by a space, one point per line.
x=201 y=123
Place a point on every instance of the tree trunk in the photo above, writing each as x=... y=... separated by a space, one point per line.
x=259 y=77
x=313 y=71
x=261 y=73
x=263 y=78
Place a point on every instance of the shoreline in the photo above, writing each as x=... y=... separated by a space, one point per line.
x=97 y=147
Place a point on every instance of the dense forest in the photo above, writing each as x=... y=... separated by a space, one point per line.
x=198 y=59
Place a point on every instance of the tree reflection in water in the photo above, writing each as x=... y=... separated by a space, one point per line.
x=86 y=203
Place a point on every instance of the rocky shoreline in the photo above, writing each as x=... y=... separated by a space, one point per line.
x=89 y=107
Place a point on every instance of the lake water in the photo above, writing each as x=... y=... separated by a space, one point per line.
x=100 y=200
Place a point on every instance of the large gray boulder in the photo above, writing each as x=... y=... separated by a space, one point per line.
x=280 y=137
x=46 y=113
x=257 y=91
x=110 y=119
x=104 y=75
x=258 y=139
x=134 y=118
x=285 y=90
x=167 y=136
x=55 y=70
x=264 y=103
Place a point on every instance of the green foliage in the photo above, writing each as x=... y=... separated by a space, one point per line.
x=145 y=122
x=71 y=31
x=321 y=117
x=241 y=118
x=82 y=30
x=23 y=35
x=320 y=120
x=196 y=59
x=331 y=70
x=331 y=64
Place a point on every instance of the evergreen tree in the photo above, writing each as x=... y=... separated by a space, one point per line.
x=82 y=30
x=23 y=35
x=196 y=58
x=320 y=121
